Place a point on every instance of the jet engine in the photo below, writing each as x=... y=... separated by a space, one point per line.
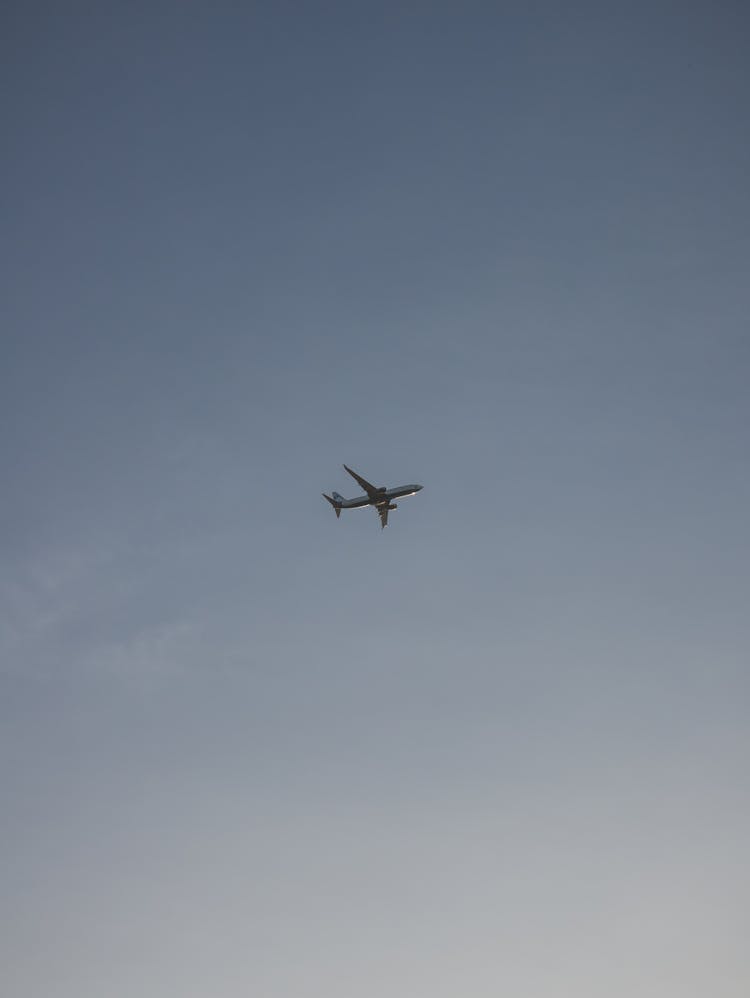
x=392 y=505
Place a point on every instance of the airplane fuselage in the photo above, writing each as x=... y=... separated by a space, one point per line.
x=381 y=497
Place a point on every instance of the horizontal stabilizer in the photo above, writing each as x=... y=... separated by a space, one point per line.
x=336 y=506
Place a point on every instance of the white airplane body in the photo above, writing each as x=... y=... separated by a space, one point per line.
x=381 y=498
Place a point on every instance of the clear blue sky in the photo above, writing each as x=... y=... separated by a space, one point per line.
x=500 y=748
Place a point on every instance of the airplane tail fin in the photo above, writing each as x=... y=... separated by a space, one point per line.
x=335 y=502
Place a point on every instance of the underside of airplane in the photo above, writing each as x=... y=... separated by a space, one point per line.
x=378 y=496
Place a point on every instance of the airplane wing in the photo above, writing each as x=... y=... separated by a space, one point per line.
x=371 y=490
x=383 y=514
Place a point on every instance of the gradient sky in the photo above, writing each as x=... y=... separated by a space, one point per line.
x=500 y=748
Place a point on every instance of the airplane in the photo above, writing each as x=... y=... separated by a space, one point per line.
x=381 y=498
